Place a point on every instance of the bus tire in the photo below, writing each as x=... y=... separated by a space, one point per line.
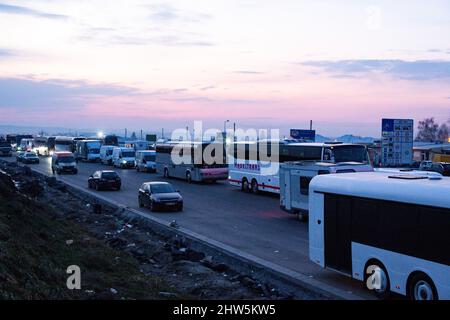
x=254 y=187
x=303 y=217
x=421 y=287
x=244 y=185
x=188 y=177
x=385 y=291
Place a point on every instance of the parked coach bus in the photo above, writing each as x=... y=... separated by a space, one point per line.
x=252 y=174
x=188 y=169
x=389 y=230
x=63 y=144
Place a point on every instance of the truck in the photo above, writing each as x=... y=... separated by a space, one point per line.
x=5 y=149
x=296 y=176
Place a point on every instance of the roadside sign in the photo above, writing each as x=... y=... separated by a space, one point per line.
x=306 y=135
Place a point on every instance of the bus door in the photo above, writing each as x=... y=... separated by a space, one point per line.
x=337 y=224
x=287 y=189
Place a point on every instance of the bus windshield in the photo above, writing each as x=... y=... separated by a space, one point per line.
x=353 y=153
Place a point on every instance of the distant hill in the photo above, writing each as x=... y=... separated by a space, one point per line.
x=348 y=138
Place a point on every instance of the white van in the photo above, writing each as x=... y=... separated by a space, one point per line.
x=124 y=157
x=106 y=154
x=146 y=160
x=64 y=162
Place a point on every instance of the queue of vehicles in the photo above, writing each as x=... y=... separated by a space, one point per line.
x=387 y=228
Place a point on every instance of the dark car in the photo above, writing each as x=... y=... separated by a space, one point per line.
x=30 y=157
x=442 y=168
x=20 y=155
x=105 y=179
x=159 y=196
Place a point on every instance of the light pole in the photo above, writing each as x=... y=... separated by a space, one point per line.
x=224 y=135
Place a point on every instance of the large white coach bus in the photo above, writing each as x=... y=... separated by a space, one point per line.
x=253 y=174
x=64 y=144
x=389 y=230
x=188 y=168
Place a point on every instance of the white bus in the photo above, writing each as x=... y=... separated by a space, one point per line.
x=390 y=230
x=248 y=172
x=64 y=144
x=40 y=146
x=189 y=169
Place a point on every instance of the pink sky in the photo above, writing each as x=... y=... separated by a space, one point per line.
x=149 y=65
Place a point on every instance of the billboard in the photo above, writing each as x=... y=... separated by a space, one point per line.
x=150 y=137
x=397 y=138
x=305 y=135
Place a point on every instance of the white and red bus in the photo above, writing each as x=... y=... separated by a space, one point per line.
x=254 y=166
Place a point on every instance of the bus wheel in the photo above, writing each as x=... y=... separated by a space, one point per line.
x=303 y=217
x=254 y=186
x=188 y=177
x=376 y=279
x=422 y=288
x=245 y=187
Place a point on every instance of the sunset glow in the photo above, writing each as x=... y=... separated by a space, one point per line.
x=272 y=64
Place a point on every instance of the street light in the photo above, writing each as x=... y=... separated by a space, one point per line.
x=225 y=125
x=224 y=134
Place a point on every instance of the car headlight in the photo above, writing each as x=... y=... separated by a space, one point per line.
x=124 y=161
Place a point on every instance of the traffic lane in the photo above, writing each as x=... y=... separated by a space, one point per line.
x=251 y=223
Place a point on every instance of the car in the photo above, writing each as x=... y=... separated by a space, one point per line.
x=442 y=168
x=426 y=165
x=159 y=195
x=104 y=179
x=19 y=156
x=30 y=157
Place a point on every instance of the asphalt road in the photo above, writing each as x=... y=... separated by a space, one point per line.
x=251 y=223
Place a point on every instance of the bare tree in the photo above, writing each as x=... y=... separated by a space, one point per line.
x=427 y=130
x=443 y=132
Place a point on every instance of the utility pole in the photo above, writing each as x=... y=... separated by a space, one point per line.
x=310 y=125
x=141 y=134
x=125 y=133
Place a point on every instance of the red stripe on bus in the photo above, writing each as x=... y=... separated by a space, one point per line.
x=259 y=185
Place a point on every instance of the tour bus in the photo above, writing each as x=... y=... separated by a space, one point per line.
x=296 y=176
x=106 y=152
x=88 y=150
x=252 y=174
x=193 y=166
x=63 y=144
x=389 y=230
x=123 y=157
x=40 y=146
x=145 y=160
